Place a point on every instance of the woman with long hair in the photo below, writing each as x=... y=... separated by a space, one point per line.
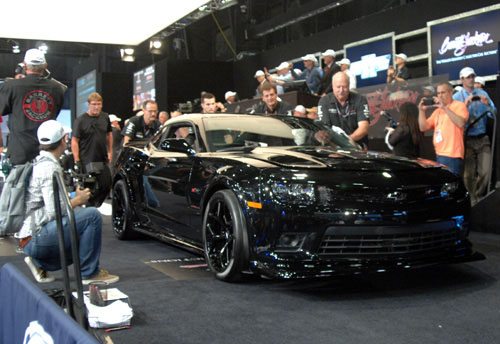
x=406 y=137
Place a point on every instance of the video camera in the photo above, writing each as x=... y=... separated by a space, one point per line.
x=82 y=181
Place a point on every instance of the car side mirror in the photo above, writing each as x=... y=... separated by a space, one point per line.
x=177 y=145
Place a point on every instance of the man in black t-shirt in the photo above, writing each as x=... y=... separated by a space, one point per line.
x=142 y=127
x=30 y=101
x=345 y=110
x=270 y=104
x=92 y=146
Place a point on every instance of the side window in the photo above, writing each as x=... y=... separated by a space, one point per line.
x=184 y=131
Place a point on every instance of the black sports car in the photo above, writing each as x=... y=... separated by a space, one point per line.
x=262 y=194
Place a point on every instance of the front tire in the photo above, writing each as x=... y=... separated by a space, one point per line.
x=224 y=236
x=121 y=214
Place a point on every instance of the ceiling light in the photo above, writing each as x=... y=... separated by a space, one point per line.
x=127 y=54
x=156 y=45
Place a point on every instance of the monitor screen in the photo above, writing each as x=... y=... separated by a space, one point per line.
x=469 y=41
x=370 y=59
x=85 y=85
x=144 y=86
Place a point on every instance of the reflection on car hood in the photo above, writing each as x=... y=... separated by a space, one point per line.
x=326 y=157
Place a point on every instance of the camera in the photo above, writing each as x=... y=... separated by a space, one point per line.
x=475 y=98
x=428 y=101
x=392 y=123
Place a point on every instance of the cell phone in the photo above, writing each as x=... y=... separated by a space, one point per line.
x=475 y=98
x=428 y=101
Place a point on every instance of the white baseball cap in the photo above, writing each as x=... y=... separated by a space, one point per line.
x=114 y=118
x=329 y=52
x=229 y=94
x=51 y=132
x=283 y=65
x=258 y=73
x=34 y=57
x=465 y=72
x=309 y=57
x=480 y=80
x=402 y=56
x=300 y=108
x=344 y=61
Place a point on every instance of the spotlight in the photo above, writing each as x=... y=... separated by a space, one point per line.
x=127 y=54
x=15 y=46
x=156 y=45
x=43 y=48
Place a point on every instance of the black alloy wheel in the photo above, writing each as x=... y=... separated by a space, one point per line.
x=121 y=212
x=225 y=236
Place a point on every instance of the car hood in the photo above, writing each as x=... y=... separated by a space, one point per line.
x=326 y=157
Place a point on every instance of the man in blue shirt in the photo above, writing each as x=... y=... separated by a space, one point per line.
x=477 y=143
x=311 y=73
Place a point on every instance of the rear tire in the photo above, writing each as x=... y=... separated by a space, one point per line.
x=224 y=236
x=121 y=215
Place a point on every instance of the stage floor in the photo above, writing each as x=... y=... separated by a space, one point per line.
x=175 y=300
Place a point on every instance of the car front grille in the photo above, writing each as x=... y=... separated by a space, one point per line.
x=361 y=243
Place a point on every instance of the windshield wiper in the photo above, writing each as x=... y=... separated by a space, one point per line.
x=247 y=148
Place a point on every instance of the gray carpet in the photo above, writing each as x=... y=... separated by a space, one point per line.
x=446 y=304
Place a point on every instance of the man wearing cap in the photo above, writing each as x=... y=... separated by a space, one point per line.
x=399 y=72
x=92 y=146
x=344 y=67
x=311 y=74
x=38 y=235
x=345 y=110
x=477 y=143
x=300 y=111
x=231 y=103
x=330 y=68
x=448 y=121
x=30 y=101
x=479 y=82
x=260 y=76
x=271 y=104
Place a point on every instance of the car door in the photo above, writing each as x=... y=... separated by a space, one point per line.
x=167 y=186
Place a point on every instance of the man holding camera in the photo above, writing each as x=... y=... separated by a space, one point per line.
x=30 y=101
x=92 y=147
x=447 y=121
x=477 y=142
x=38 y=235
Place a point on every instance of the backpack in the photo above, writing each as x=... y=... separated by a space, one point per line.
x=12 y=199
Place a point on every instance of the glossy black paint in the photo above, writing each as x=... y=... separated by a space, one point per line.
x=352 y=211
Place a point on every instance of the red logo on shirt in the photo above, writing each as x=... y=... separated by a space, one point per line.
x=38 y=105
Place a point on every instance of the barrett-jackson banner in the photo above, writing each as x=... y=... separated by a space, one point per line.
x=468 y=41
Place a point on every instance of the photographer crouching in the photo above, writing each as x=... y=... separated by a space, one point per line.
x=38 y=235
x=92 y=147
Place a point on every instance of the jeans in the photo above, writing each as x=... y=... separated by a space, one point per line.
x=455 y=165
x=43 y=248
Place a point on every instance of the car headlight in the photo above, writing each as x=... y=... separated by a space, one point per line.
x=294 y=193
x=449 y=189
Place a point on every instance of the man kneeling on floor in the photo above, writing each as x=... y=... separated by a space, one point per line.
x=38 y=235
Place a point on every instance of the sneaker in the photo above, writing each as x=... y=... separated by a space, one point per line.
x=40 y=275
x=101 y=276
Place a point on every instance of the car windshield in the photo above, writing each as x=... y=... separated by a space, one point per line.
x=240 y=132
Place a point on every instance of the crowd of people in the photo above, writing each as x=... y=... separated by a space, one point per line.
x=34 y=100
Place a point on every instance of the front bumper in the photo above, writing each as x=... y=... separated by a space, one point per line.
x=351 y=250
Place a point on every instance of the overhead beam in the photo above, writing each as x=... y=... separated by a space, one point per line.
x=294 y=16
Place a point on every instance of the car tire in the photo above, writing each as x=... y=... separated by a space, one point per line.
x=225 y=239
x=121 y=217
